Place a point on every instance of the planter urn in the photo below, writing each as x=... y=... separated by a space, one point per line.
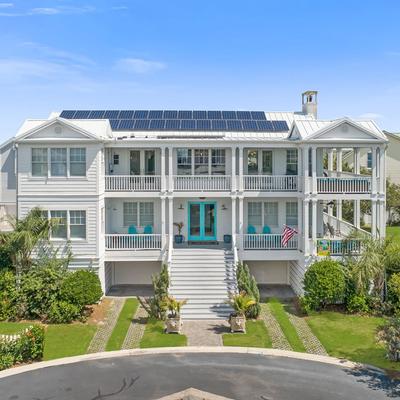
x=178 y=239
x=238 y=323
x=173 y=325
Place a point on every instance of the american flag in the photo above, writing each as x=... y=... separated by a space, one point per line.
x=287 y=234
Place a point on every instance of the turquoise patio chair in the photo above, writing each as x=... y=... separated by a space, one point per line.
x=148 y=230
x=266 y=230
x=251 y=230
x=132 y=230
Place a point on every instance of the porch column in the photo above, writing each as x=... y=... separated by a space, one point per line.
x=314 y=169
x=241 y=225
x=299 y=219
x=374 y=171
x=170 y=169
x=382 y=174
x=306 y=225
x=241 y=186
x=299 y=169
x=330 y=169
x=339 y=157
x=163 y=183
x=306 y=180
x=314 y=225
x=163 y=235
x=373 y=218
x=171 y=218
x=233 y=169
x=382 y=218
x=233 y=208
x=357 y=203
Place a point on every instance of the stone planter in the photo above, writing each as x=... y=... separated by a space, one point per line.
x=238 y=323
x=173 y=325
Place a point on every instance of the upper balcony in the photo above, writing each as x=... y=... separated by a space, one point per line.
x=344 y=182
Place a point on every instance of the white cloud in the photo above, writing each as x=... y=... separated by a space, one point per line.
x=139 y=65
x=45 y=10
x=371 y=115
x=68 y=10
x=6 y=5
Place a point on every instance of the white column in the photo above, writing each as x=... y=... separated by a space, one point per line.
x=314 y=169
x=233 y=169
x=299 y=169
x=330 y=159
x=241 y=186
x=162 y=170
x=382 y=175
x=241 y=226
x=339 y=154
x=382 y=219
x=299 y=218
x=357 y=203
x=233 y=208
x=314 y=225
x=306 y=156
x=306 y=225
x=374 y=171
x=373 y=218
x=171 y=217
x=163 y=218
x=170 y=169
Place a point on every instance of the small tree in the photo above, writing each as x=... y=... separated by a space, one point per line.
x=248 y=284
x=393 y=201
x=391 y=335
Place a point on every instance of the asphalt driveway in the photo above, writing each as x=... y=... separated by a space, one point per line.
x=236 y=376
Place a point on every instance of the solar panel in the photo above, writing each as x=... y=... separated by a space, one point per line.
x=126 y=114
x=68 y=114
x=140 y=114
x=170 y=114
x=228 y=114
x=114 y=124
x=214 y=115
x=111 y=114
x=155 y=114
x=203 y=125
x=157 y=124
x=82 y=114
x=199 y=114
x=218 y=125
x=280 y=126
x=125 y=124
x=184 y=115
x=188 y=125
x=172 y=124
x=243 y=114
x=265 y=126
x=234 y=125
x=141 y=124
x=258 y=115
x=249 y=125
x=97 y=114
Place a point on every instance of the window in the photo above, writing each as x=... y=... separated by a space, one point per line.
x=201 y=161
x=150 y=163
x=58 y=162
x=291 y=162
x=116 y=159
x=252 y=162
x=130 y=214
x=59 y=231
x=369 y=160
x=77 y=224
x=184 y=161
x=291 y=214
x=254 y=213
x=39 y=162
x=77 y=162
x=146 y=214
x=267 y=162
x=271 y=213
x=218 y=162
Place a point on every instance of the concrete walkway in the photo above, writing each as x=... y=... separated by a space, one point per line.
x=205 y=332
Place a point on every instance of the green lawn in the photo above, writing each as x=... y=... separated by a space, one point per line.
x=10 y=328
x=121 y=328
x=351 y=336
x=393 y=231
x=288 y=329
x=67 y=340
x=154 y=336
x=256 y=336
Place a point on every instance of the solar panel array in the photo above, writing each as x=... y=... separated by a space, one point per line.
x=174 y=120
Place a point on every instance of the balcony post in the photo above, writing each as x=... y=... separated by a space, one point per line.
x=373 y=217
x=299 y=218
x=357 y=203
x=314 y=169
x=306 y=225
x=339 y=157
x=163 y=235
x=306 y=163
x=382 y=172
x=233 y=208
x=170 y=169
x=330 y=159
x=241 y=225
x=314 y=226
x=241 y=151
x=382 y=219
x=233 y=169
x=171 y=218
x=162 y=170
x=374 y=171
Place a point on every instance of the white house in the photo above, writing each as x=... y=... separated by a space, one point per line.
x=119 y=180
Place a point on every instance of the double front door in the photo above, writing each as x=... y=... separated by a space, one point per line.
x=142 y=162
x=202 y=221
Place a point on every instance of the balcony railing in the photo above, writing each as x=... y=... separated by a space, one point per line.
x=267 y=242
x=270 y=183
x=133 y=183
x=355 y=184
x=133 y=242
x=339 y=247
x=202 y=183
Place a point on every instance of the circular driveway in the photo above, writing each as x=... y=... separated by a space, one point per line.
x=232 y=375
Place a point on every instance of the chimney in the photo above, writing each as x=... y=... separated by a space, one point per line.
x=309 y=103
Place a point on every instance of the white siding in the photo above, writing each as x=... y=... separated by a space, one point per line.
x=269 y=272
x=134 y=273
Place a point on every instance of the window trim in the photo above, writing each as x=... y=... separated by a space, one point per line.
x=138 y=215
x=68 y=238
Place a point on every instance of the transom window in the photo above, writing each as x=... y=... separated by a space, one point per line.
x=291 y=162
x=138 y=213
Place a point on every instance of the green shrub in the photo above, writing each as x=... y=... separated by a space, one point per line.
x=8 y=295
x=62 y=312
x=324 y=284
x=247 y=283
x=394 y=289
x=391 y=335
x=81 y=288
x=357 y=304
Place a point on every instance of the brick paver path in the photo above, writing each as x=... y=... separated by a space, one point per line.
x=278 y=338
x=310 y=341
x=104 y=330
x=136 y=329
x=205 y=332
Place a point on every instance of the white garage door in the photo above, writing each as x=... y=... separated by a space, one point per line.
x=135 y=273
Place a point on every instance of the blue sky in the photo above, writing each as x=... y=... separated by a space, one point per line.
x=199 y=54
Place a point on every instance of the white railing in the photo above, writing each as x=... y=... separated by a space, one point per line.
x=202 y=183
x=136 y=183
x=267 y=242
x=133 y=242
x=271 y=183
x=338 y=247
x=341 y=227
x=356 y=184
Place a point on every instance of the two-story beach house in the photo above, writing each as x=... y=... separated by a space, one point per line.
x=120 y=180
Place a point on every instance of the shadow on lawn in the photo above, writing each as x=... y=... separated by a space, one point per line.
x=375 y=379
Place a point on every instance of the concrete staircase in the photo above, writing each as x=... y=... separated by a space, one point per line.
x=205 y=278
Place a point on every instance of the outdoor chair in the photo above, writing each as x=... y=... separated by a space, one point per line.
x=132 y=230
x=266 y=230
x=148 y=230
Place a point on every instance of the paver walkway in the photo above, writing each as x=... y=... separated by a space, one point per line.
x=136 y=329
x=310 y=341
x=205 y=332
x=104 y=331
x=278 y=338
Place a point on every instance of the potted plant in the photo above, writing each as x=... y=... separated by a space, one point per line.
x=179 y=236
x=240 y=303
x=173 y=323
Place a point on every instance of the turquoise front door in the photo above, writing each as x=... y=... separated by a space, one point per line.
x=202 y=221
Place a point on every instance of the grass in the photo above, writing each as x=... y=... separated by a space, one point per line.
x=121 y=327
x=393 y=231
x=10 y=328
x=256 y=336
x=288 y=329
x=351 y=336
x=154 y=336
